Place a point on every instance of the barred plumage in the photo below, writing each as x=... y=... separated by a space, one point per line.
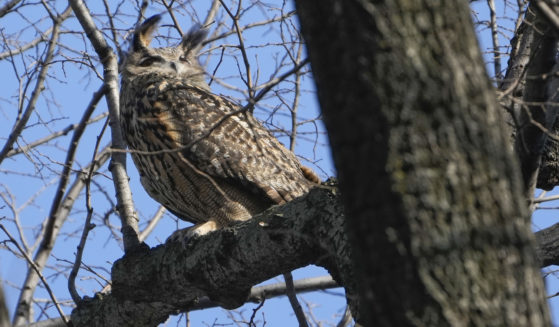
x=198 y=154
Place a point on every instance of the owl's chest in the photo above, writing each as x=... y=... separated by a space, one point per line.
x=148 y=123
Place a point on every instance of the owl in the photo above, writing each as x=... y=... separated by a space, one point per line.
x=201 y=156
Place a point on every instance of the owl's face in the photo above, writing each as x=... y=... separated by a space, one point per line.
x=179 y=61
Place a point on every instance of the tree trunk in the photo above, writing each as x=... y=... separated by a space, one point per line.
x=439 y=227
x=4 y=317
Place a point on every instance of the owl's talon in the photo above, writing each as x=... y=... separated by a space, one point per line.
x=184 y=235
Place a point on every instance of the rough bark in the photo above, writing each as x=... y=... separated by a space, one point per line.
x=548 y=246
x=321 y=215
x=436 y=217
x=533 y=117
x=548 y=176
x=151 y=284
x=4 y=317
x=528 y=93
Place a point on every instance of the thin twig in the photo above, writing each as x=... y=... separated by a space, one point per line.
x=295 y=106
x=254 y=311
x=43 y=253
x=259 y=293
x=172 y=14
x=38 y=271
x=211 y=13
x=238 y=31
x=249 y=26
x=346 y=318
x=495 y=39
x=23 y=48
x=290 y=291
x=87 y=224
x=547 y=199
x=112 y=25
x=152 y=223
x=54 y=135
x=39 y=86
x=65 y=175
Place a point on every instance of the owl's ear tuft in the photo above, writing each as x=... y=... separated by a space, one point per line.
x=144 y=33
x=192 y=41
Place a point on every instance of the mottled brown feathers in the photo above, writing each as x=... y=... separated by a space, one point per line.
x=198 y=154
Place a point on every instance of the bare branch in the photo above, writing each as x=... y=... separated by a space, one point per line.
x=22 y=121
x=290 y=291
x=211 y=13
x=257 y=295
x=65 y=175
x=235 y=19
x=31 y=44
x=8 y=6
x=152 y=223
x=118 y=162
x=172 y=14
x=44 y=251
x=52 y=136
x=38 y=272
x=87 y=224
x=346 y=319
x=495 y=39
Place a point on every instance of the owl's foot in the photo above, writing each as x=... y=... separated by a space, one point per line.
x=184 y=235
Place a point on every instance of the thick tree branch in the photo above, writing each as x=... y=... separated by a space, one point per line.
x=222 y=265
x=308 y=230
x=257 y=295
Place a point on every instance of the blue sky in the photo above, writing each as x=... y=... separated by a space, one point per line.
x=72 y=86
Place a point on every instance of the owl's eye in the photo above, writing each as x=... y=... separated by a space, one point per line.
x=148 y=61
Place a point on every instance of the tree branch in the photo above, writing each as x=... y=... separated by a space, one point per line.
x=7 y=7
x=257 y=295
x=223 y=265
x=547 y=245
x=118 y=163
x=39 y=86
x=44 y=251
x=530 y=140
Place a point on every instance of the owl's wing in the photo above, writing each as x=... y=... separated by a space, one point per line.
x=226 y=143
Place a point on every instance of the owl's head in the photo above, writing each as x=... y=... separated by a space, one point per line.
x=179 y=61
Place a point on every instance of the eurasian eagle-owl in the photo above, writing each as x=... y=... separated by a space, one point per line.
x=201 y=156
